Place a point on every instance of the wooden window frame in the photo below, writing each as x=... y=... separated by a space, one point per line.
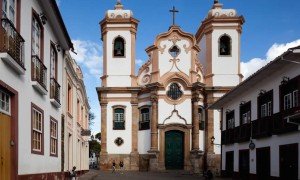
x=141 y=120
x=52 y=120
x=230 y=120
x=245 y=113
x=41 y=40
x=69 y=98
x=124 y=116
x=35 y=108
x=6 y=102
x=53 y=74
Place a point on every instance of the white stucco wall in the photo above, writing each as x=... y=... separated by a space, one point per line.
x=202 y=54
x=125 y=148
x=184 y=63
x=118 y=69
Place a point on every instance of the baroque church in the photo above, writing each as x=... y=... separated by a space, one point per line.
x=159 y=119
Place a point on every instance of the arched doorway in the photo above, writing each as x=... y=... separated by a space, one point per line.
x=174 y=150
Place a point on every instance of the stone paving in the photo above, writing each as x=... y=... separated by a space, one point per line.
x=133 y=175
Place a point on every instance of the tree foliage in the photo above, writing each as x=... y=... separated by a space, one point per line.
x=98 y=136
x=91 y=119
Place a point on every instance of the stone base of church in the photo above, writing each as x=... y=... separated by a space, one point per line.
x=131 y=161
x=213 y=163
x=196 y=158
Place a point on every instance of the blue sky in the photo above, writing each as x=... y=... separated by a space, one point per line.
x=271 y=27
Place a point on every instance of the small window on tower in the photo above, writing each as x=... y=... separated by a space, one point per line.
x=174 y=91
x=225 y=45
x=174 y=51
x=119 y=47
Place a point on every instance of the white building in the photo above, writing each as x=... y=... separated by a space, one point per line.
x=158 y=119
x=261 y=122
x=76 y=114
x=33 y=44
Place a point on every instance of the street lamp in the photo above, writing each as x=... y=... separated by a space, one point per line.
x=212 y=139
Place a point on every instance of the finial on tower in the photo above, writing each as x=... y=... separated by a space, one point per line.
x=118 y=6
x=216 y=1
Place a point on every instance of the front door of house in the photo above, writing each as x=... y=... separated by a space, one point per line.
x=288 y=161
x=174 y=150
x=263 y=163
x=5 y=148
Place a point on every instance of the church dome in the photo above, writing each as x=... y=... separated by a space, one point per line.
x=119 y=12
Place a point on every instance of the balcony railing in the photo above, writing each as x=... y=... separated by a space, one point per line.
x=144 y=125
x=38 y=71
x=242 y=133
x=119 y=125
x=54 y=90
x=12 y=42
x=227 y=136
x=262 y=127
x=280 y=124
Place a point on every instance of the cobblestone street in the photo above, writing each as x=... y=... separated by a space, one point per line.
x=128 y=175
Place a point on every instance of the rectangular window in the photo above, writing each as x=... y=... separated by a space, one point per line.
x=53 y=137
x=295 y=98
x=245 y=112
x=230 y=120
x=119 y=121
x=35 y=37
x=37 y=130
x=53 y=60
x=287 y=101
x=263 y=110
x=269 y=113
x=69 y=101
x=4 y=102
x=119 y=117
x=9 y=10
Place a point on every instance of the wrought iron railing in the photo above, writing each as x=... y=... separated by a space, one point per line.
x=38 y=71
x=12 y=42
x=144 y=125
x=262 y=127
x=54 y=90
x=119 y=125
x=242 y=133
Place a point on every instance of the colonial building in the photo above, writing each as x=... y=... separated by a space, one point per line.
x=261 y=122
x=76 y=114
x=33 y=43
x=158 y=119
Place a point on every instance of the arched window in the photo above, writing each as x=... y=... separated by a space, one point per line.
x=174 y=91
x=144 y=119
x=225 y=45
x=119 y=47
x=119 y=120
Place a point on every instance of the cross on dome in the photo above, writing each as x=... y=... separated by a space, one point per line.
x=216 y=1
x=119 y=2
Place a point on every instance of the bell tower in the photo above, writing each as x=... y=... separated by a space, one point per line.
x=118 y=33
x=219 y=38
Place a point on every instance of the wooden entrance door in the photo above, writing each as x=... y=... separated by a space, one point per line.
x=5 y=149
x=263 y=163
x=288 y=155
x=244 y=164
x=229 y=163
x=174 y=150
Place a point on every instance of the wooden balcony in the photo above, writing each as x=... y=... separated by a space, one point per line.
x=227 y=136
x=39 y=74
x=119 y=125
x=12 y=46
x=262 y=127
x=242 y=133
x=144 y=125
x=54 y=92
x=280 y=124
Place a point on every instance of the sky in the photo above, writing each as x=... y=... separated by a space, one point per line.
x=270 y=28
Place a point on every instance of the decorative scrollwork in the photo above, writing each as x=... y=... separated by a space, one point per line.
x=112 y=15
x=174 y=39
x=146 y=78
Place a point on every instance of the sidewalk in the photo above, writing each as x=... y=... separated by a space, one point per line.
x=95 y=174
x=90 y=175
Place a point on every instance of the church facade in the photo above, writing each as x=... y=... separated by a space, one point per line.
x=158 y=119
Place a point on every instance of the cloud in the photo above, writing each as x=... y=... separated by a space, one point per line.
x=251 y=66
x=139 y=62
x=89 y=54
